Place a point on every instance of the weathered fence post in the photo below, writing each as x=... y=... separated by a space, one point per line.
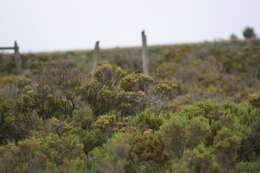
x=17 y=57
x=145 y=59
x=95 y=55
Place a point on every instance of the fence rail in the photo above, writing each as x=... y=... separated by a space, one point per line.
x=144 y=56
x=17 y=55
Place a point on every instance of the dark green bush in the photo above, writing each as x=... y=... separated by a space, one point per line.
x=249 y=33
x=148 y=120
x=39 y=154
x=148 y=147
x=136 y=82
x=255 y=100
x=197 y=112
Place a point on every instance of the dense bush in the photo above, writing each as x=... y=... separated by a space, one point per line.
x=174 y=135
x=198 y=112
x=255 y=100
x=249 y=33
x=108 y=90
x=40 y=154
x=44 y=102
x=148 y=120
x=148 y=147
x=136 y=82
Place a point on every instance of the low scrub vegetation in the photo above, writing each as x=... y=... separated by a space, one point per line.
x=198 y=111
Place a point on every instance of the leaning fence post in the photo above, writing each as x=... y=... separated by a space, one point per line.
x=17 y=57
x=95 y=55
x=145 y=60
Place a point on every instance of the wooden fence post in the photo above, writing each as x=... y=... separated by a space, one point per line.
x=145 y=59
x=95 y=55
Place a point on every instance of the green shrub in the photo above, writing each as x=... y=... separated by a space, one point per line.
x=248 y=167
x=148 y=120
x=193 y=114
x=91 y=139
x=173 y=133
x=136 y=82
x=39 y=154
x=83 y=118
x=15 y=125
x=250 y=145
x=148 y=147
x=249 y=33
x=103 y=98
x=197 y=131
x=166 y=70
x=106 y=123
x=255 y=100
x=167 y=89
x=129 y=103
x=100 y=98
x=202 y=159
x=44 y=102
x=5 y=110
x=178 y=166
x=52 y=126
x=113 y=156
x=227 y=145
x=108 y=74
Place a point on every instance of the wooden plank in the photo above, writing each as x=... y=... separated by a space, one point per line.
x=7 y=48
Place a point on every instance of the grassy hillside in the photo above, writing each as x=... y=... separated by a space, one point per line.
x=197 y=111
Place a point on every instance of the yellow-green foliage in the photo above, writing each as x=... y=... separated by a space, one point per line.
x=197 y=131
x=148 y=147
x=148 y=120
x=129 y=103
x=202 y=159
x=136 y=82
x=40 y=154
x=227 y=147
x=174 y=135
x=167 y=89
x=106 y=122
x=125 y=94
x=108 y=74
x=255 y=100
x=197 y=112
x=83 y=118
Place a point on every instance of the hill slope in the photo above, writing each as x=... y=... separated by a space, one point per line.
x=198 y=111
